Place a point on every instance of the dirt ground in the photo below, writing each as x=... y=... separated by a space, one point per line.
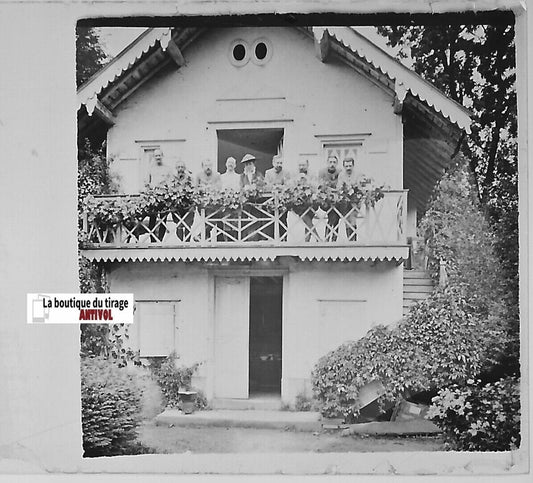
x=163 y=439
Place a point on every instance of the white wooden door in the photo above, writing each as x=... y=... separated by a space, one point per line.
x=232 y=302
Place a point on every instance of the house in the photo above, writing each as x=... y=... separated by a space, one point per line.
x=258 y=311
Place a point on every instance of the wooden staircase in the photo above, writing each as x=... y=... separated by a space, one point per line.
x=417 y=285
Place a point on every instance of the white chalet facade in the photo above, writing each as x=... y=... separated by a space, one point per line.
x=258 y=313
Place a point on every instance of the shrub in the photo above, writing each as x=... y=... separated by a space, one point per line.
x=440 y=342
x=172 y=379
x=479 y=417
x=456 y=231
x=304 y=403
x=111 y=404
x=454 y=335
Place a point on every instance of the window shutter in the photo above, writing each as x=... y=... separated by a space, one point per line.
x=156 y=327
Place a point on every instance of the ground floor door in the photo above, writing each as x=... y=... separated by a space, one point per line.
x=265 y=335
x=248 y=321
x=231 y=337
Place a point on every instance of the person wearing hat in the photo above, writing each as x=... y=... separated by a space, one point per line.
x=250 y=175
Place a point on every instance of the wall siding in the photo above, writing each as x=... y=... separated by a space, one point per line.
x=377 y=286
x=306 y=97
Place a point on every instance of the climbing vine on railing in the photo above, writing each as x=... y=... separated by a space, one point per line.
x=175 y=196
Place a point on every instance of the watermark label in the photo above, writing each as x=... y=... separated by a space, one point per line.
x=78 y=308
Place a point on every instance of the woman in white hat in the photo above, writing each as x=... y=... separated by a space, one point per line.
x=250 y=174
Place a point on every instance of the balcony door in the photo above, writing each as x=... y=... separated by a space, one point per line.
x=263 y=143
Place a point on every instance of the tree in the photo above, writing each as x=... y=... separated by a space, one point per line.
x=90 y=56
x=475 y=66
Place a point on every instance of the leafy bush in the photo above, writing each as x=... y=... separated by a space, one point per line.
x=440 y=342
x=111 y=404
x=452 y=336
x=304 y=403
x=479 y=417
x=172 y=379
x=174 y=195
x=456 y=231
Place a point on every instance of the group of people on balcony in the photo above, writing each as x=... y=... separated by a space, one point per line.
x=331 y=175
x=208 y=178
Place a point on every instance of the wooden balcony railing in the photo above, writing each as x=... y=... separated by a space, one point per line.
x=259 y=224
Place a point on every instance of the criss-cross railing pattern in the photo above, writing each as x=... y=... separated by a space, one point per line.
x=261 y=224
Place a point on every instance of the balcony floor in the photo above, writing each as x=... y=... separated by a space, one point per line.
x=250 y=252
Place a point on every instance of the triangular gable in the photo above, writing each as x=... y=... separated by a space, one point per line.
x=434 y=125
x=89 y=91
x=405 y=80
x=402 y=80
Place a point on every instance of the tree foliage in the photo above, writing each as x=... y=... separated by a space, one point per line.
x=457 y=232
x=475 y=66
x=90 y=56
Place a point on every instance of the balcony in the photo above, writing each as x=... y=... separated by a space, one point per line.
x=258 y=230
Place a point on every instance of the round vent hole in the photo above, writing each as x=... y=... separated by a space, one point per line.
x=239 y=51
x=261 y=50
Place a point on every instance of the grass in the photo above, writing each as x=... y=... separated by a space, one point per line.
x=164 y=439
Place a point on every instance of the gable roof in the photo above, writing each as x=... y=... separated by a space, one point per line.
x=126 y=59
x=405 y=80
x=434 y=125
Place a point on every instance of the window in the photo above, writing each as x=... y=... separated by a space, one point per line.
x=239 y=53
x=342 y=145
x=147 y=161
x=342 y=151
x=262 y=51
x=156 y=327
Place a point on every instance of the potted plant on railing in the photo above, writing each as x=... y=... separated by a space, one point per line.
x=172 y=196
x=105 y=215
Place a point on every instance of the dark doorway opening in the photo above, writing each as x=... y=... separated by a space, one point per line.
x=265 y=335
x=264 y=144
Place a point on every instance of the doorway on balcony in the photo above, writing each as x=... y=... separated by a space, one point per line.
x=265 y=336
x=263 y=143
